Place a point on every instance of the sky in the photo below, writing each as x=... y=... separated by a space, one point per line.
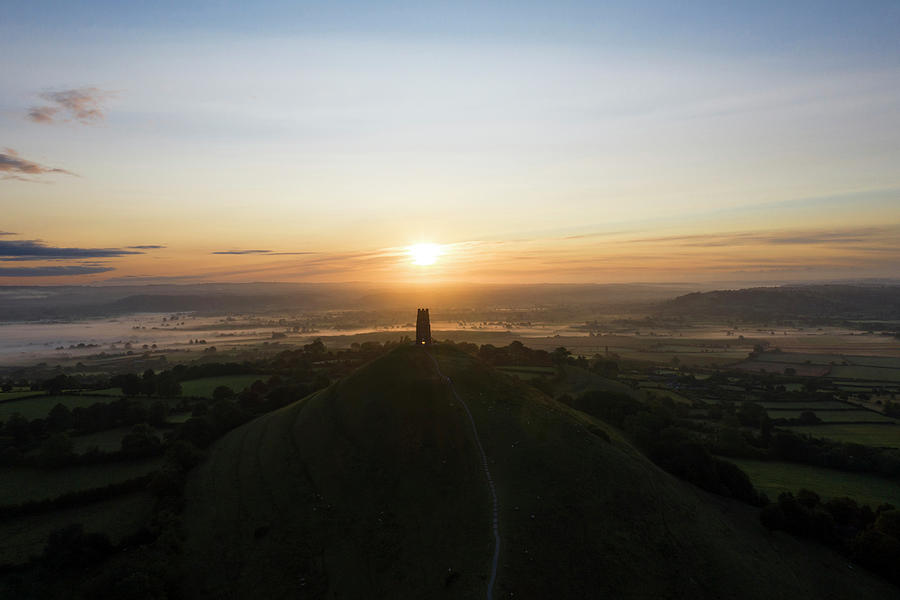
x=531 y=142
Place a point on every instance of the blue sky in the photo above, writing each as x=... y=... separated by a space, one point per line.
x=320 y=127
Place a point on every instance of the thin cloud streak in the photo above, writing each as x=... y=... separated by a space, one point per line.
x=13 y=166
x=265 y=252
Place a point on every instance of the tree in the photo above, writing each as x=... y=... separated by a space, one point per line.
x=157 y=413
x=142 y=441
x=56 y=451
x=130 y=383
x=59 y=418
x=808 y=417
x=148 y=383
x=222 y=392
x=560 y=355
x=72 y=548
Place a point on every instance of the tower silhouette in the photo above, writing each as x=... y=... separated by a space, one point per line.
x=423 y=328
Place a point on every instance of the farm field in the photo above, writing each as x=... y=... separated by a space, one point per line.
x=204 y=387
x=24 y=537
x=37 y=407
x=840 y=416
x=883 y=436
x=865 y=372
x=5 y=396
x=666 y=393
x=107 y=441
x=527 y=373
x=21 y=484
x=808 y=405
x=773 y=477
x=108 y=392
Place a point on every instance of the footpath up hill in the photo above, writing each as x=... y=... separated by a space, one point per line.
x=373 y=488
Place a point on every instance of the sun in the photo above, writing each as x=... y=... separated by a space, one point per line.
x=424 y=254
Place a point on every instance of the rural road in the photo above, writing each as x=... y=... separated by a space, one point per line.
x=487 y=473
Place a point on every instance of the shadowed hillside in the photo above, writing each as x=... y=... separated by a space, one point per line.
x=813 y=301
x=373 y=488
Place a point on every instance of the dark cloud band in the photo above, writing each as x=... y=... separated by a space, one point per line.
x=37 y=250
x=52 y=271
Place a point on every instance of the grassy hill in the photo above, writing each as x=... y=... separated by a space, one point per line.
x=372 y=488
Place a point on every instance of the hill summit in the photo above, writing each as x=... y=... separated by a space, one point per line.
x=375 y=488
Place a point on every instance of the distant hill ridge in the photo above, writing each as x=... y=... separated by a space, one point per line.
x=820 y=301
x=373 y=488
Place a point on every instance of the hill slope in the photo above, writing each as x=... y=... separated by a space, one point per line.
x=374 y=488
x=812 y=301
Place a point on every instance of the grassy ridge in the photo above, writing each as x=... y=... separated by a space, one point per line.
x=372 y=488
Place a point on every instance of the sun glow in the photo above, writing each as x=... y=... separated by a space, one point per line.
x=424 y=254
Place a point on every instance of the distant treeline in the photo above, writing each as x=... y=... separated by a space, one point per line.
x=871 y=538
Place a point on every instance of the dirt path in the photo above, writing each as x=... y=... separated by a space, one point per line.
x=487 y=473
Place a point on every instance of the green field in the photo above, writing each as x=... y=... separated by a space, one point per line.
x=774 y=477
x=24 y=537
x=884 y=436
x=839 y=416
x=824 y=405
x=108 y=392
x=527 y=373
x=38 y=406
x=666 y=393
x=204 y=387
x=867 y=373
x=21 y=484
x=18 y=394
x=107 y=441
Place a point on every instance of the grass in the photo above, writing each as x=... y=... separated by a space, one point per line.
x=837 y=416
x=37 y=407
x=807 y=405
x=667 y=393
x=21 y=484
x=528 y=373
x=107 y=441
x=117 y=517
x=374 y=488
x=867 y=373
x=16 y=395
x=578 y=381
x=115 y=391
x=204 y=387
x=883 y=436
x=773 y=477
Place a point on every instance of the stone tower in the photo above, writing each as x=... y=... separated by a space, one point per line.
x=423 y=328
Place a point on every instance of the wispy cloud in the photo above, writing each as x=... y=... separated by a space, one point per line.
x=8 y=233
x=265 y=252
x=793 y=237
x=147 y=247
x=78 y=104
x=52 y=271
x=18 y=250
x=13 y=166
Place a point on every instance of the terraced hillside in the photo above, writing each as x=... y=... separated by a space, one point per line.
x=373 y=488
